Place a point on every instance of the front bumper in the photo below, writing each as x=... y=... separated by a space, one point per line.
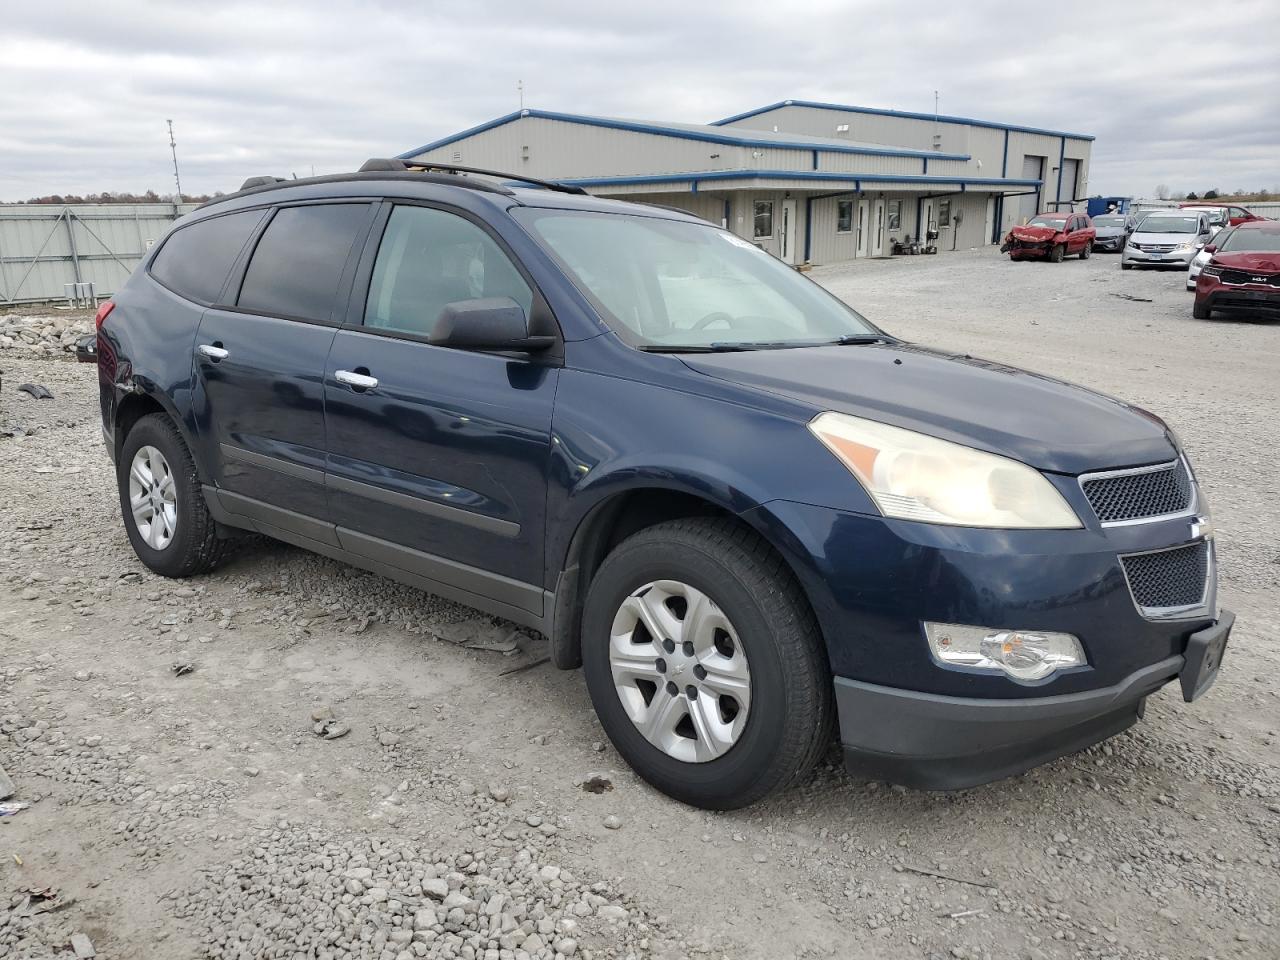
x=934 y=742
x=1255 y=300
x=1113 y=244
x=1140 y=258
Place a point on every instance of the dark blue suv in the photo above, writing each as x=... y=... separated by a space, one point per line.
x=750 y=515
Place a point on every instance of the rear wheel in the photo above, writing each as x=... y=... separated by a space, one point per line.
x=1201 y=312
x=164 y=511
x=1085 y=251
x=705 y=664
x=1057 y=253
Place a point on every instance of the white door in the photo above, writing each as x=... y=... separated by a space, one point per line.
x=877 y=229
x=862 y=229
x=788 y=249
x=990 y=229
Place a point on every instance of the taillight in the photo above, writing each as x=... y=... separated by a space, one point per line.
x=104 y=311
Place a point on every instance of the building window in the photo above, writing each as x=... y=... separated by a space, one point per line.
x=895 y=214
x=944 y=213
x=763 y=219
x=844 y=216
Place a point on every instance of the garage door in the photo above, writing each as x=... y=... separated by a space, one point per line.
x=1070 y=177
x=1028 y=206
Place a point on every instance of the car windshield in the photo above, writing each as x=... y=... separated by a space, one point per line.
x=1108 y=221
x=1053 y=223
x=674 y=284
x=1168 y=224
x=1257 y=241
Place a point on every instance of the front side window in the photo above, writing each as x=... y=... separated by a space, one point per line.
x=195 y=260
x=844 y=216
x=671 y=284
x=298 y=263
x=763 y=220
x=430 y=258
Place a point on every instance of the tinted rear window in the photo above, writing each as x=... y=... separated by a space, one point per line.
x=298 y=263
x=195 y=260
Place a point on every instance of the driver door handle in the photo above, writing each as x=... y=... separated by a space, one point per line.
x=357 y=381
x=213 y=352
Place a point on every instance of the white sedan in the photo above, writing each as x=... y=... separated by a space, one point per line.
x=1204 y=256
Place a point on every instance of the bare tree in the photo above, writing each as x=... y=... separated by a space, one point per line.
x=1162 y=191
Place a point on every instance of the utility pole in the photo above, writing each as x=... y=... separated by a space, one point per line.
x=173 y=147
x=520 y=91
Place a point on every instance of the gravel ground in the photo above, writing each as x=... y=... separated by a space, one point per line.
x=466 y=807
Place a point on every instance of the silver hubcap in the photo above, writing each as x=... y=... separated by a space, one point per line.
x=153 y=497
x=680 y=671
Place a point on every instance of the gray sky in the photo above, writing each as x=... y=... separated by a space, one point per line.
x=280 y=88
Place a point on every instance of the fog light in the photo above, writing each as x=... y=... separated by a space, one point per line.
x=1022 y=654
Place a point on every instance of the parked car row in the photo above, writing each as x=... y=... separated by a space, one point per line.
x=1232 y=256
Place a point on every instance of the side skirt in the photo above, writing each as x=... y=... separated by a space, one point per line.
x=523 y=603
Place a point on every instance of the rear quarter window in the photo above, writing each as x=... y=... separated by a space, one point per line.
x=195 y=260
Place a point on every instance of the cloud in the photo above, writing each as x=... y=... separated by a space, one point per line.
x=287 y=87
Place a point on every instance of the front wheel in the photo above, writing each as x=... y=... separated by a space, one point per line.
x=1057 y=253
x=705 y=664
x=164 y=511
x=1125 y=266
x=1086 y=251
x=1201 y=312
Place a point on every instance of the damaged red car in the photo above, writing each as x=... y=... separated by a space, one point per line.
x=1051 y=236
x=1243 y=275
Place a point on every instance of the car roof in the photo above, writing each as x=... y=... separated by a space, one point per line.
x=467 y=191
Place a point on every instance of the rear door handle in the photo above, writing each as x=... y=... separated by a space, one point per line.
x=213 y=351
x=356 y=381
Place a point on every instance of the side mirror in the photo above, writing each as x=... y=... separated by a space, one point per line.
x=487 y=323
x=1210 y=248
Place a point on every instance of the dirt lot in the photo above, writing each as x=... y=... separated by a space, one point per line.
x=200 y=815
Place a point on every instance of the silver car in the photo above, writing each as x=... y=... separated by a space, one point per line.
x=1111 y=231
x=1169 y=239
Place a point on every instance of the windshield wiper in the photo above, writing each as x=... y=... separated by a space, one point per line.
x=719 y=346
x=856 y=339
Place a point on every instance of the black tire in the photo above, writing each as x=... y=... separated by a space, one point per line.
x=791 y=716
x=196 y=546
x=1201 y=313
x=1086 y=251
x=1125 y=266
x=1057 y=253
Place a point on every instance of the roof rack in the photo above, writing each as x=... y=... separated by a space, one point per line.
x=381 y=164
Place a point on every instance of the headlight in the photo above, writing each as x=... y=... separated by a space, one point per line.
x=1182 y=248
x=1022 y=654
x=1211 y=271
x=912 y=476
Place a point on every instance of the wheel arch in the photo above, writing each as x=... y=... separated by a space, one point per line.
x=615 y=518
x=137 y=403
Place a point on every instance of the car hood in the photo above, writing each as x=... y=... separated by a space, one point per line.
x=1267 y=261
x=1047 y=423
x=1034 y=234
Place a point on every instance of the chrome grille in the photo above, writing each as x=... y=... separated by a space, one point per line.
x=1123 y=495
x=1245 y=276
x=1168 y=578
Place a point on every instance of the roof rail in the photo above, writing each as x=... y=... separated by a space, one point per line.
x=381 y=164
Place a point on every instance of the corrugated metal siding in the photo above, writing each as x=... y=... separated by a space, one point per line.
x=867 y=128
x=557 y=148
x=43 y=247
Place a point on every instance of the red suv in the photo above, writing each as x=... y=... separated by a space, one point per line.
x=1235 y=215
x=1243 y=273
x=1051 y=236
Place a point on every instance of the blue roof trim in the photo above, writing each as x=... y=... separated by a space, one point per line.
x=902 y=114
x=679 y=133
x=795 y=175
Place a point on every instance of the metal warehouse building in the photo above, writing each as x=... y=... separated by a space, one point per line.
x=807 y=181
